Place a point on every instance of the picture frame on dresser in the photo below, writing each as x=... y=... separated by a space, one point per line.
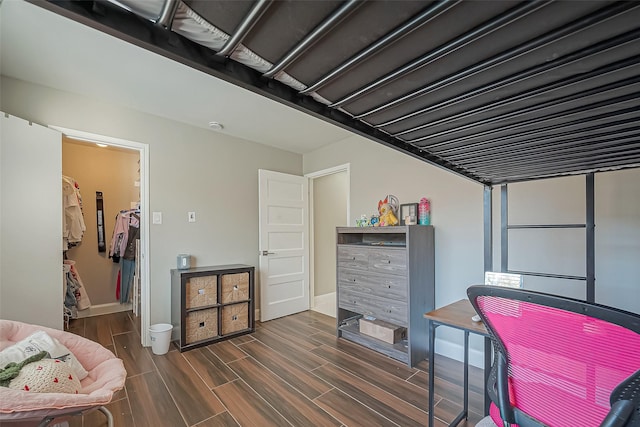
x=408 y=210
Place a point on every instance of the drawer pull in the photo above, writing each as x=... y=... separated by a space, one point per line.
x=235 y=287
x=388 y=261
x=354 y=280
x=201 y=325
x=234 y=317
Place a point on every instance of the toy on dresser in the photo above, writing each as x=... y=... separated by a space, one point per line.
x=387 y=211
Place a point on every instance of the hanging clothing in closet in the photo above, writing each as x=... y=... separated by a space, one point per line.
x=123 y=250
x=73 y=226
x=76 y=297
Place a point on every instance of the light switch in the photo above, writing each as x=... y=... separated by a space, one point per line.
x=191 y=216
x=157 y=218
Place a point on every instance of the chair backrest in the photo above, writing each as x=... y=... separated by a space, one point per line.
x=564 y=356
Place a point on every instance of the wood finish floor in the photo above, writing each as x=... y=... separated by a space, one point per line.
x=292 y=371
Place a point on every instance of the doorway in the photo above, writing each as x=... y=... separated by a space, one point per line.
x=330 y=201
x=140 y=182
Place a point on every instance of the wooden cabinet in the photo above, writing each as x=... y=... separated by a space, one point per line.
x=210 y=304
x=386 y=273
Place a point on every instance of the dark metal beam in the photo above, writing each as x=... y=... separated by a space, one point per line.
x=498 y=141
x=555 y=151
x=586 y=163
x=539 y=91
x=545 y=226
x=500 y=176
x=527 y=111
x=547 y=275
x=497 y=179
x=504 y=229
x=477 y=33
x=564 y=31
x=488 y=227
x=554 y=116
x=576 y=137
x=590 y=238
x=126 y=26
x=320 y=31
x=403 y=30
x=252 y=18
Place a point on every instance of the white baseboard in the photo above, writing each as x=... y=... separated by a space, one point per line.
x=97 y=310
x=456 y=352
x=257 y=314
x=325 y=304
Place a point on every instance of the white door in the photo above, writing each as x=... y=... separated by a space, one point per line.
x=284 y=244
x=31 y=285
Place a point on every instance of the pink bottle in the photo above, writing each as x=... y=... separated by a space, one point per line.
x=424 y=212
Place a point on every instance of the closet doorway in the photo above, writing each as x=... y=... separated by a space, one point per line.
x=113 y=181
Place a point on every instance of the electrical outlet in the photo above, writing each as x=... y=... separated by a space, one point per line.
x=191 y=216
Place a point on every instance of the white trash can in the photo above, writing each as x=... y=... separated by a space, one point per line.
x=160 y=337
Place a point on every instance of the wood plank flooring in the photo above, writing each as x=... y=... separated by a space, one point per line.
x=292 y=371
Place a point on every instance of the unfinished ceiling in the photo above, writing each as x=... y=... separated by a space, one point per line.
x=496 y=91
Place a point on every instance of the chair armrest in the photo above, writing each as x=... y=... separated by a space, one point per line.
x=619 y=414
x=504 y=402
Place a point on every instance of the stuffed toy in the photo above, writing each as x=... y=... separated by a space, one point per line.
x=39 y=373
x=387 y=214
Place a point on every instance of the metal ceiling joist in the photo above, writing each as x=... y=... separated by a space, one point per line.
x=560 y=99
x=559 y=164
x=575 y=151
x=168 y=12
x=544 y=144
x=258 y=9
x=477 y=33
x=402 y=31
x=535 y=92
x=479 y=146
x=334 y=19
x=537 y=120
x=564 y=31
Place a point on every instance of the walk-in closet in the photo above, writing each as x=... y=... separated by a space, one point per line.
x=101 y=202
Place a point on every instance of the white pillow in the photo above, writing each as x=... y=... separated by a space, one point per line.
x=34 y=344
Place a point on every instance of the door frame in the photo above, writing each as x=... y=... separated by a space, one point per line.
x=312 y=243
x=143 y=149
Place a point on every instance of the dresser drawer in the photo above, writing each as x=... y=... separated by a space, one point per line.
x=392 y=261
x=353 y=257
x=370 y=305
x=382 y=285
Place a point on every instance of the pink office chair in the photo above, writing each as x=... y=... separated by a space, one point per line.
x=560 y=362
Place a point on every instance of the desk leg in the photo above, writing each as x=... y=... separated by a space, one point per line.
x=432 y=347
x=488 y=352
x=466 y=374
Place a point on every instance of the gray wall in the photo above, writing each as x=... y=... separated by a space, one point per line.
x=562 y=201
x=191 y=169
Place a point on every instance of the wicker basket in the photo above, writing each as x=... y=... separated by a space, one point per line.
x=201 y=325
x=201 y=291
x=235 y=318
x=235 y=287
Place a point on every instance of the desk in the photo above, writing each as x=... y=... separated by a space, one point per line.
x=458 y=315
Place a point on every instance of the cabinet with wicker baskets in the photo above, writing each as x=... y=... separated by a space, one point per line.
x=210 y=304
